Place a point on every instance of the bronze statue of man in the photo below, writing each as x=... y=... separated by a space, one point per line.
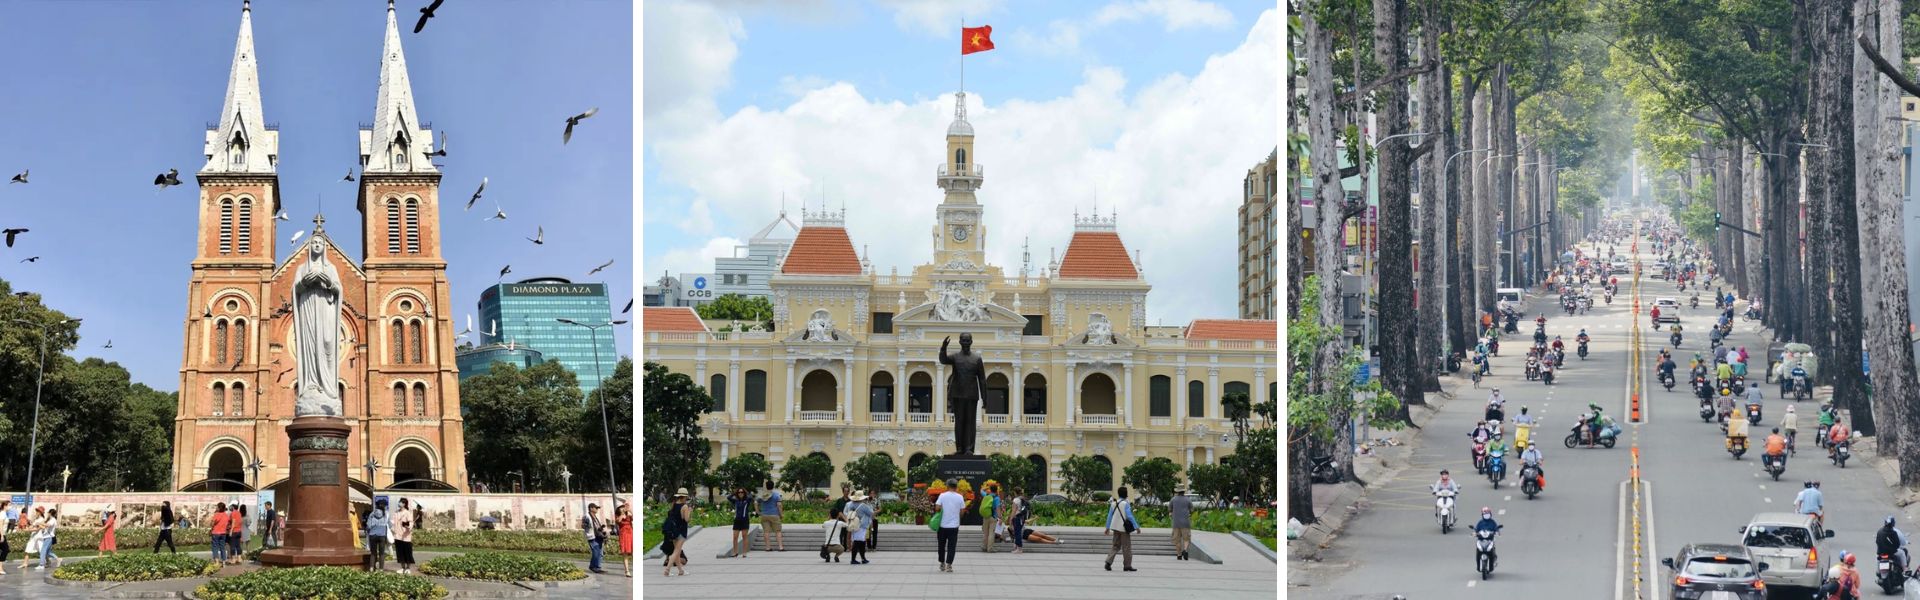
x=963 y=391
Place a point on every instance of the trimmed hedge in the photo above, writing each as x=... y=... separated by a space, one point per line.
x=136 y=567
x=80 y=539
x=564 y=542
x=317 y=583
x=494 y=566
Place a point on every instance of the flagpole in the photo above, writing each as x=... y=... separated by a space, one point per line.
x=963 y=57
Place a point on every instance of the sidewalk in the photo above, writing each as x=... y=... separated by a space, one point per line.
x=1334 y=504
x=40 y=585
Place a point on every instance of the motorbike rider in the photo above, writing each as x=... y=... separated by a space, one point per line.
x=1776 y=447
x=1495 y=412
x=1540 y=335
x=1836 y=434
x=1533 y=458
x=1789 y=423
x=1593 y=423
x=1737 y=431
x=1799 y=373
x=1582 y=337
x=1843 y=581
x=1656 y=314
x=1892 y=542
x=1666 y=367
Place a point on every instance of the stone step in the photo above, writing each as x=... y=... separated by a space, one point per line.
x=905 y=538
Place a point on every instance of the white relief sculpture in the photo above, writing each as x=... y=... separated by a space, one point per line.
x=1035 y=439
x=820 y=327
x=956 y=304
x=959 y=263
x=998 y=439
x=1099 y=330
x=920 y=437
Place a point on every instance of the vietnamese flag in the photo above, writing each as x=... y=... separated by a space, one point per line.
x=976 y=39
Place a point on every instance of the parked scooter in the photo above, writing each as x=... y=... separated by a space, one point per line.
x=1325 y=469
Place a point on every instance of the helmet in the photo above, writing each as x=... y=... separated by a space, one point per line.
x=1484 y=511
x=1850 y=557
x=1889 y=520
x=1533 y=444
x=1808 y=485
x=1789 y=408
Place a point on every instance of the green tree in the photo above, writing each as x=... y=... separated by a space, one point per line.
x=1082 y=475
x=1318 y=404
x=591 y=433
x=756 y=309
x=521 y=424
x=1154 y=477
x=742 y=471
x=926 y=472
x=677 y=453
x=1011 y=471
x=874 y=471
x=801 y=472
x=1213 y=481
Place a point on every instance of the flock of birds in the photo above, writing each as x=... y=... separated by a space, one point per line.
x=172 y=178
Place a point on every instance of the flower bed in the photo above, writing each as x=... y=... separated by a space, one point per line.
x=136 y=567
x=494 y=566
x=329 y=583
x=564 y=542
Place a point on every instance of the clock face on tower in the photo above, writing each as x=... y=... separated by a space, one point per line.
x=960 y=233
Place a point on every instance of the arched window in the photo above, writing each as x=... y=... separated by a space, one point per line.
x=414 y=342
x=826 y=482
x=1231 y=387
x=1161 y=391
x=244 y=233
x=1037 y=481
x=239 y=340
x=1034 y=394
x=960 y=158
x=420 y=399
x=1196 y=399
x=239 y=403
x=717 y=388
x=880 y=393
x=413 y=226
x=1104 y=483
x=756 y=390
x=219 y=399
x=399 y=342
x=220 y=342
x=913 y=462
x=400 y=399
x=226 y=226
x=393 y=226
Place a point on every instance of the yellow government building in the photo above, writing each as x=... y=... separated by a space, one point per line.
x=852 y=364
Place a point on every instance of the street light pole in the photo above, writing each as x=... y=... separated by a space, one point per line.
x=33 y=443
x=600 y=379
x=1446 y=273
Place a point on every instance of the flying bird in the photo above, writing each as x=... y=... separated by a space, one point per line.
x=349 y=176
x=171 y=177
x=208 y=314
x=493 y=328
x=498 y=213
x=296 y=236
x=442 y=150
x=12 y=233
x=600 y=268
x=426 y=13
x=21 y=178
x=505 y=270
x=476 y=193
x=282 y=216
x=629 y=307
x=539 y=235
x=469 y=328
x=30 y=259
x=109 y=344
x=575 y=120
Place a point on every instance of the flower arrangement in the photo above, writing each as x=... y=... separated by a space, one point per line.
x=966 y=490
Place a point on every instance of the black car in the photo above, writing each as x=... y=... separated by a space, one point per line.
x=1716 y=572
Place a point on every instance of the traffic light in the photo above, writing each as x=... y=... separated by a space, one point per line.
x=1716 y=221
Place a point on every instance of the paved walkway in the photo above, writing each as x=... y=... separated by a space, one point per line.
x=799 y=573
x=33 y=584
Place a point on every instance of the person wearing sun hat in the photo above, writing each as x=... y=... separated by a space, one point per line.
x=675 y=530
x=861 y=510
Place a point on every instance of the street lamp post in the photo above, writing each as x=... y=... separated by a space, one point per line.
x=566 y=479
x=1366 y=253
x=33 y=441
x=65 y=472
x=606 y=433
x=1446 y=274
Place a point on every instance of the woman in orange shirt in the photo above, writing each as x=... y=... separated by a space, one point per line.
x=219 y=532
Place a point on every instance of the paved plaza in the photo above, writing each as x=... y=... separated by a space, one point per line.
x=799 y=573
x=36 y=585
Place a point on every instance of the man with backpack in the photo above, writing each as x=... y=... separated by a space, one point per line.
x=989 y=515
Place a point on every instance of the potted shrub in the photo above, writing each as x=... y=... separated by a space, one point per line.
x=921 y=502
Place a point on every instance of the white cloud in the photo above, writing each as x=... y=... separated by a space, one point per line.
x=1169 y=159
x=690 y=48
x=699 y=218
x=1063 y=36
x=687 y=260
x=939 y=17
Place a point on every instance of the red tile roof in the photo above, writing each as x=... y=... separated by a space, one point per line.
x=1097 y=255
x=822 y=251
x=671 y=319
x=1234 y=329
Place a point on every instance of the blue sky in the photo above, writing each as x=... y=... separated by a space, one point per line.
x=1153 y=108
x=103 y=96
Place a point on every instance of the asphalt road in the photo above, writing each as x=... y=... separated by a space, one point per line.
x=1576 y=540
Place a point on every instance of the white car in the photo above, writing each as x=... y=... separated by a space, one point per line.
x=1669 y=310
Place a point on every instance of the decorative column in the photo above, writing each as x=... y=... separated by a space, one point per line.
x=1210 y=453
x=1019 y=401
x=1212 y=401
x=1189 y=458
x=846 y=366
x=1073 y=395
x=1180 y=408
x=726 y=450
x=900 y=407
x=791 y=401
x=1259 y=385
x=939 y=393
x=733 y=386
x=1126 y=408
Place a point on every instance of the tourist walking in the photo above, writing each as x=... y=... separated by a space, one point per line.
x=1121 y=525
x=166 y=528
x=989 y=515
x=34 y=536
x=596 y=538
x=862 y=512
x=50 y=530
x=403 y=536
x=217 y=530
x=237 y=534
x=269 y=537
x=947 y=541
x=770 y=501
x=7 y=512
x=838 y=511
x=107 y=527
x=1018 y=514
x=623 y=520
x=1180 y=512
x=675 y=531
x=379 y=527
x=742 y=519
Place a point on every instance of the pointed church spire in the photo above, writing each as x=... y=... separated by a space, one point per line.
x=398 y=143
x=241 y=143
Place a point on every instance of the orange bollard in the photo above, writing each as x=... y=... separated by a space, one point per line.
x=1636 y=408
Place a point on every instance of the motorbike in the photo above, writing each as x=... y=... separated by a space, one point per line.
x=1493 y=346
x=1842 y=452
x=1483 y=555
x=1774 y=466
x=1695 y=303
x=1547 y=376
x=1530 y=480
x=1675 y=338
x=1753 y=414
x=1737 y=446
x=1891 y=577
x=1583 y=350
x=1666 y=379
x=1533 y=369
x=1325 y=469
x=1609 y=297
x=1580 y=432
x=1496 y=467
x=1480 y=457
x=1801 y=391
x=1443 y=509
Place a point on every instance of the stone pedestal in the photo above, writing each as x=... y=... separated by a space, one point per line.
x=318 y=531
x=970 y=468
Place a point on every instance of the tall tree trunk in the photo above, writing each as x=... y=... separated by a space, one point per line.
x=1399 y=359
x=1501 y=175
x=1460 y=318
x=1433 y=201
x=1330 y=202
x=1881 y=239
x=1483 y=223
x=1822 y=86
x=1832 y=108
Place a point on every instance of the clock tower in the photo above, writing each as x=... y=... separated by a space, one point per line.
x=959 y=236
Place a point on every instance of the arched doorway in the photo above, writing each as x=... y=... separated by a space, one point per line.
x=920 y=393
x=413 y=469
x=826 y=483
x=817 y=391
x=995 y=400
x=1107 y=484
x=880 y=393
x=1096 y=395
x=1037 y=481
x=1033 y=394
x=913 y=462
x=226 y=463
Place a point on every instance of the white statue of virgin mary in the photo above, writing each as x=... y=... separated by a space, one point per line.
x=316 y=320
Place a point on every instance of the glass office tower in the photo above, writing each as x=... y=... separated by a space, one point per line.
x=527 y=314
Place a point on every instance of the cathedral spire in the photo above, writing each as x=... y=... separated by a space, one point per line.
x=242 y=142
x=398 y=142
